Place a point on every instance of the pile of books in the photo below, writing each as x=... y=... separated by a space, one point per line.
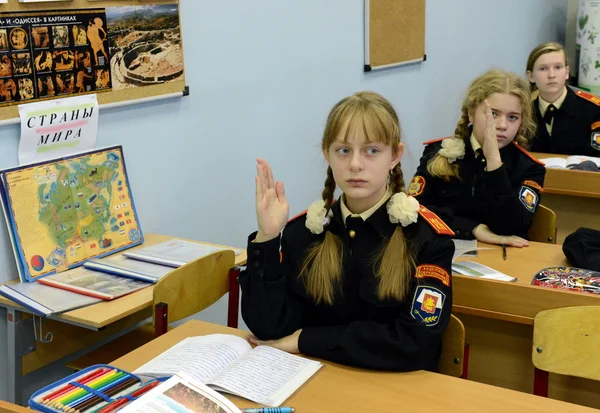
x=72 y=223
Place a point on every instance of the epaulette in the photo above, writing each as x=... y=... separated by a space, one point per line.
x=589 y=97
x=439 y=226
x=298 y=216
x=530 y=156
x=436 y=140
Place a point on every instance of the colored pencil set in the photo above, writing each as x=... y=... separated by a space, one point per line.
x=96 y=389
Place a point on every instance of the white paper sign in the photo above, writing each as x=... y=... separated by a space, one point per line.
x=58 y=127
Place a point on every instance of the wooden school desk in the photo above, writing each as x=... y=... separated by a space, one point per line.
x=6 y=407
x=498 y=318
x=573 y=195
x=73 y=330
x=336 y=388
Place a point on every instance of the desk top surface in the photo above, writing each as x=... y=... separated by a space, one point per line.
x=568 y=182
x=522 y=263
x=104 y=313
x=336 y=388
x=517 y=301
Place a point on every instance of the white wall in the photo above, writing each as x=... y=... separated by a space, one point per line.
x=263 y=75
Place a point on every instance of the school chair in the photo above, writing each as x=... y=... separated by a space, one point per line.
x=452 y=360
x=565 y=341
x=543 y=225
x=181 y=293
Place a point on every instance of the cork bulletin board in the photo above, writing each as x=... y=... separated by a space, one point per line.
x=394 y=33
x=125 y=51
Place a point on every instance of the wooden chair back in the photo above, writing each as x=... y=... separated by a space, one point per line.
x=453 y=347
x=566 y=341
x=543 y=225
x=195 y=286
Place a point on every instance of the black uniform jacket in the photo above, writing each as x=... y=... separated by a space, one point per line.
x=504 y=199
x=576 y=126
x=358 y=329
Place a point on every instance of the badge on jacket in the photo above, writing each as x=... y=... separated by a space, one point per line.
x=528 y=198
x=427 y=305
x=417 y=185
x=595 y=140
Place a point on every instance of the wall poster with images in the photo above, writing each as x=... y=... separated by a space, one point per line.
x=129 y=50
x=145 y=45
x=53 y=54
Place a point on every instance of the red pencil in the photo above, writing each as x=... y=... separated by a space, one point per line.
x=137 y=393
x=83 y=380
x=144 y=389
x=112 y=406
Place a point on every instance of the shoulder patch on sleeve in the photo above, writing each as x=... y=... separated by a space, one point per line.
x=595 y=140
x=433 y=271
x=416 y=186
x=301 y=214
x=595 y=125
x=427 y=305
x=533 y=184
x=439 y=226
x=528 y=198
x=530 y=156
x=436 y=140
x=589 y=97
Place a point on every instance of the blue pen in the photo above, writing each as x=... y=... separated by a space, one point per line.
x=269 y=410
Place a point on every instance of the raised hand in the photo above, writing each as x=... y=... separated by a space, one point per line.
x=484 y=234
x=272 y=208
x=490 y=140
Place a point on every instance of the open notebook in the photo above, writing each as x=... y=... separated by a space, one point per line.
x=229 y=364
x=566 y=163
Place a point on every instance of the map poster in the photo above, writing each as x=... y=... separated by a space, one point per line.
x=145 y=45
x=52 y=54
x=63 y=212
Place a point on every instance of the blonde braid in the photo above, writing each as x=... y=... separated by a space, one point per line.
x=396 y=260
x=463 y=130
x=397 y=180
x=438 y=166
x=329 y=189
x=322 y=267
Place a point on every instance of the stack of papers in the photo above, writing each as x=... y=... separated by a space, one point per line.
x=474 y=269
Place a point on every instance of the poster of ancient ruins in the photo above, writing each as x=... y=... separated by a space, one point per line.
x=145 y=45
x=49 y=54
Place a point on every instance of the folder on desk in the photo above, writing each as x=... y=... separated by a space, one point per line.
x=94 y=283
x=44 y=300
x=128 y=267
x=475 y=269
x=175 y=252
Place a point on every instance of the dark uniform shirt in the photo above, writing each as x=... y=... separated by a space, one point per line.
x=575 y=128
x=504 y=199
x=359 y=328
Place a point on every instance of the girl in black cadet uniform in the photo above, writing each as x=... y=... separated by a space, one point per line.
x=568 y=120
x=362 y=281
x=482 y=173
